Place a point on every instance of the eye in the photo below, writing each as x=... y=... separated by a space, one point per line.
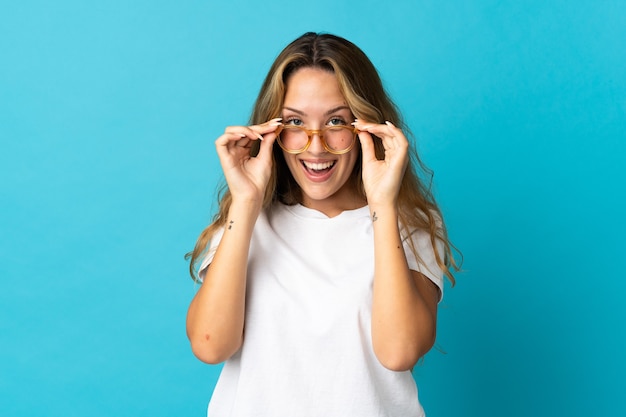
x=336 y=121
x=293 y=121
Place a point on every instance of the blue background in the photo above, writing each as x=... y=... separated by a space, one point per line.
x=108 y=113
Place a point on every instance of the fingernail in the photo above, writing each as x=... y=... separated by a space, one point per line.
x=260 y=136
x=388 y=123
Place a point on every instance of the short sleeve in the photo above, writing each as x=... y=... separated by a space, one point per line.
x=427 y=264
x=210 y=253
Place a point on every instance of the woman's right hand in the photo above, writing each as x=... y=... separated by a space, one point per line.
x=247 y=176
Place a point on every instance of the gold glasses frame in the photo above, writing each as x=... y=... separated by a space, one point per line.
x=318 y=132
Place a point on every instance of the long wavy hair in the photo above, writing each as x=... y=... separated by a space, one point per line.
x=363 y=90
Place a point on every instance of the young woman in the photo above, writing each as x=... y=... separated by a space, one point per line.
x=323 y=268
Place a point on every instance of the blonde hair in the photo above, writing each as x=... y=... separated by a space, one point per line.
x=364 y=92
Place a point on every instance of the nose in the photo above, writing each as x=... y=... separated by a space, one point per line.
x=316 y=146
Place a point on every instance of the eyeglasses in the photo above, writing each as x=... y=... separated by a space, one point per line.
x=336 y=139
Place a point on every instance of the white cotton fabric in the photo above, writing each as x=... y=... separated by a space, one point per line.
x=307 y=348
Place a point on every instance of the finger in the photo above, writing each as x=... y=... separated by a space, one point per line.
x=244 y=132
x=378 y=131
x=232 y=139
x=254 y=132
x=396 y=132
x=265 y=150
x=386 y=130
x=391 y=136
x=268 y=127
x=367 y=146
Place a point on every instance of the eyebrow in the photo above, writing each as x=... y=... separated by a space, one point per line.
x=328 y=113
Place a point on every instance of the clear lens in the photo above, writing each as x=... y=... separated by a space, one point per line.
x=293 y=138
x=337 y=139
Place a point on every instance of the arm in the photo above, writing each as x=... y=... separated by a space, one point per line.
x=215 y=318
x=404 y=305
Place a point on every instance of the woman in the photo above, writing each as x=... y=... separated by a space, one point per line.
x=325 y=262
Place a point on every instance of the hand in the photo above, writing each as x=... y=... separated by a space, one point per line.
x=247 y=176
x=382 y=178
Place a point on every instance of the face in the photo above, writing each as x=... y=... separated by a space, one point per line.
x=313 y=100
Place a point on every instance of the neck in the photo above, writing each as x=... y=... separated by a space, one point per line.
x=331 y=207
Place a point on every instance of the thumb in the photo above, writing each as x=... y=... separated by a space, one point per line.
x=367 y=146
x=266 y=145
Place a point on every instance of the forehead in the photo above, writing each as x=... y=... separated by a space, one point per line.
x=313 y=89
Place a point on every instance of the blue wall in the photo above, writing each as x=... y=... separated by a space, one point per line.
x=108 y=113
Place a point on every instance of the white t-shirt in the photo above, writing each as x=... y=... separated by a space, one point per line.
x=307 y=347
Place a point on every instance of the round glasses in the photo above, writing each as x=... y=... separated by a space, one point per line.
x=336 y=139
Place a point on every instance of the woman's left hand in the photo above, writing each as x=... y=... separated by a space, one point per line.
x=382 y=178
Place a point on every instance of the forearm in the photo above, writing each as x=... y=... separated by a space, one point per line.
x=403 y=310
x=215 y=319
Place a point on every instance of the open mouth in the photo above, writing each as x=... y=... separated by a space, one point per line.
x=318 y=168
